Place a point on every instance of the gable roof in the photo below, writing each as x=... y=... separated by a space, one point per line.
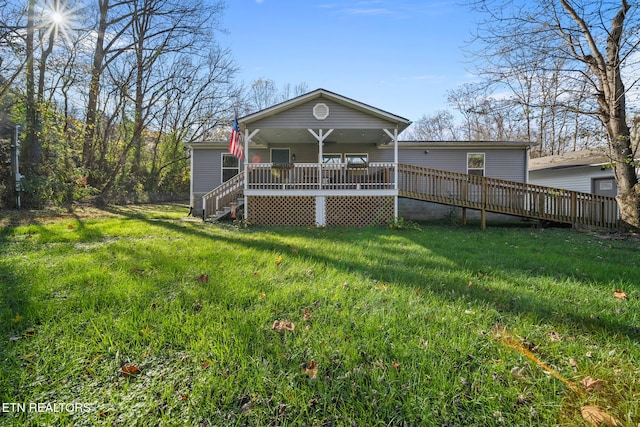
x=401 y=122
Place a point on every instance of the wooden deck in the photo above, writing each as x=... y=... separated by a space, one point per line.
x=430 y=185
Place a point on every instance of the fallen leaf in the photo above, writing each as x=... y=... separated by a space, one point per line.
x=203 y=278
x=554 y=336
x=396 y=365
x=597 y=417
x=279 y=260
x=620 y=294
x=129 y=370
x=206 y=364
x=311 y=370
x=283 y=325
x=104 y=414
x=518 y=372
x=573 y=364
x=136 y=270
x=184 y=397
x=590 y=384
x=470 y=284
x=307 y=314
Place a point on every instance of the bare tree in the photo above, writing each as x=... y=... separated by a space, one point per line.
x=439 y=126
x=596 y=40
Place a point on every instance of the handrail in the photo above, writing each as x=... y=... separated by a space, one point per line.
x=320 y=176
x=507 y=197
x=222 y=195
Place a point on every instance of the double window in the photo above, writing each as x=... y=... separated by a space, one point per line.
x=349 y=159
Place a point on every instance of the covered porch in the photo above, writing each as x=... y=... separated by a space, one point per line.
x=325 y=148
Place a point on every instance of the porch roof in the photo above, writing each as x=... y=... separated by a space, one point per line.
x=351 y=120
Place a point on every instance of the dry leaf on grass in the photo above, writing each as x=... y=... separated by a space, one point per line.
x=590 y=384
x=554 y=336
x=620 y=294
x=279 y=260
x=311 y=370
x=283 y=325
x=203 y=278
x=306 y=314
x=597 y=417
x=129 y=370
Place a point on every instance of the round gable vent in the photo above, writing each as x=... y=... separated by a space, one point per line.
x=320 y=111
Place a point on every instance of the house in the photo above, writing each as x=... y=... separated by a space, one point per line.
x=325 y=159
x=587 y=171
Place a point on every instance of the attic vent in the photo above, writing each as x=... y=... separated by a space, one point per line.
x=320 y=111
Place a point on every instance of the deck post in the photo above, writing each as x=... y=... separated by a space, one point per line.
x=394 y=138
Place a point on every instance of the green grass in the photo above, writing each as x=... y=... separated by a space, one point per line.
x=398 y=322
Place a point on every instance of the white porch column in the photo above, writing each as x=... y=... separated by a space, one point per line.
x=320 y=136
x=247 y=140
x=394 y=137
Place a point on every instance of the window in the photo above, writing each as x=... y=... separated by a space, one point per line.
x=356 y=159
x=230 y=165
x=475 y=164
x=331 y=159
x=279 y=155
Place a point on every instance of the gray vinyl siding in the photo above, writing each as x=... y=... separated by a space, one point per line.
x=340 y=117
x=207 y=169
x=508 y=164
x=573 y=179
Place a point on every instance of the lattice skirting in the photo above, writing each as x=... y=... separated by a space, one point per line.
x=299 y=211
x=359 y=211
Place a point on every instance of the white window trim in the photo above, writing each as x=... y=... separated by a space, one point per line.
x=484 y=163
x=333 y=154
x=282 y=149
x=223 y=167
x=365 y=155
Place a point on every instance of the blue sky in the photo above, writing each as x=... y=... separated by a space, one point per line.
x=398 y=55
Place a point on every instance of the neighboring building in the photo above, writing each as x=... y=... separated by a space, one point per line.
x=587 y=171
x=326 y=159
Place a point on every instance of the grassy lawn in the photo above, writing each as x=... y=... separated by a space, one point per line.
x=139 y=316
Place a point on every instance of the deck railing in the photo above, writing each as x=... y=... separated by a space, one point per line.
x=319 y=176
x=508 y=197
x=222 y=195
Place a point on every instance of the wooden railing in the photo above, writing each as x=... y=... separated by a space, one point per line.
x=319 y=176
x=222 y=195
x=507 y=197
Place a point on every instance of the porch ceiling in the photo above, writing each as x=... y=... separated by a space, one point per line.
x=303 y=136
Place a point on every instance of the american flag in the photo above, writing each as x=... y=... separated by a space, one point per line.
x=235 y=147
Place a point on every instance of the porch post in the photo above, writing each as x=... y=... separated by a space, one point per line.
x=246 y=172
x=320 y=136
x=395 y=172
x=394 y=136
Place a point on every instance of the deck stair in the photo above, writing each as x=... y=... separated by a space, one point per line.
x=219 y=202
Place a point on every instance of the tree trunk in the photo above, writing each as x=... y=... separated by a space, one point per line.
x=32 y=151
x=88 y=156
